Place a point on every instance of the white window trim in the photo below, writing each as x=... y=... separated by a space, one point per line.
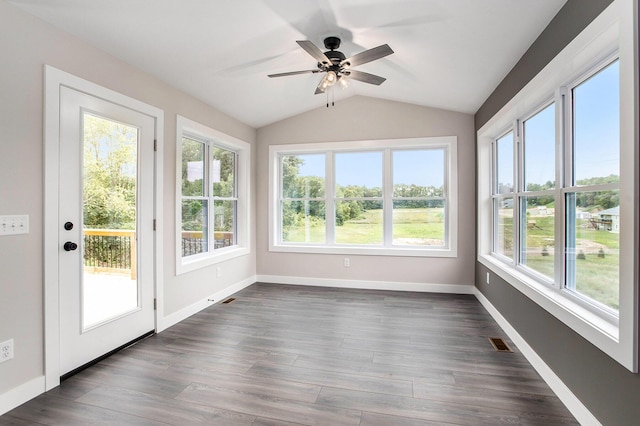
x=451 y=184
x=187 y=127
x=612 y=30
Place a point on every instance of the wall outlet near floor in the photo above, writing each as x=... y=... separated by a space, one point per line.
x=6 y=350
x=346 y=262
x=488 y=275
x=218 y=272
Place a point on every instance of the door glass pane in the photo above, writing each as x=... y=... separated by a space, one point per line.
x=109 y=285
x=596 y=128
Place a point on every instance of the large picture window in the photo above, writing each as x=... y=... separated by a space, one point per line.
x=212 y=180
x=389 y=197
x=557 y=188
x=525 y=188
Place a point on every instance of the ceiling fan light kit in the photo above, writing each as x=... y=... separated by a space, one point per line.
x=337 y=67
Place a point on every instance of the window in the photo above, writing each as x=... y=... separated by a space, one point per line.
x=212 y=183
x=557 y=192
x=391 y=197
x=503 y=196
x=592 y=197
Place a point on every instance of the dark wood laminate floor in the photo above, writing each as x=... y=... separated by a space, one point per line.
x=284 y=355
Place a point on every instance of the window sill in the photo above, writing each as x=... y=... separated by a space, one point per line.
x=582 y=320
x=365 y=251
x=193 y=263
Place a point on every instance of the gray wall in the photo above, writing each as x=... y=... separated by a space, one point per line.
x=361 y=118
x=26 y=45
x=606 y=388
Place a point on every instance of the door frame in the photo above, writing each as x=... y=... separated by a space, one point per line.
x=53 y=80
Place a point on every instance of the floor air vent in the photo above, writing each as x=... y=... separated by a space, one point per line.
x=229 y=300
x=499 y=344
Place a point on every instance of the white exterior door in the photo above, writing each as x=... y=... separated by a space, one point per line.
x=106 y=248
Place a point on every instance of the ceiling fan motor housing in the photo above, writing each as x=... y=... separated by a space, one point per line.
x=332 y=43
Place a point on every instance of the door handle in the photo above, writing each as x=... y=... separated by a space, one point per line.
x=69 y=246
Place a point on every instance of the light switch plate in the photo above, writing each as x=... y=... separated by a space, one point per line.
x=14 y=225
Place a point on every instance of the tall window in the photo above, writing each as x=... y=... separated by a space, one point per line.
x=575 y=196
x=392 y=197
x=303 y=201
x=503 y=195
x=529 y=202
x=537 y=193
x=213 y=181
x=209 y=198
x=358 y=198
x=592 y=195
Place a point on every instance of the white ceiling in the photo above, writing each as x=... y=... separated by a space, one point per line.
x=449 y=54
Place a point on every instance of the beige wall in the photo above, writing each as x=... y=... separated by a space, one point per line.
x=26 y=45
x=360 y=118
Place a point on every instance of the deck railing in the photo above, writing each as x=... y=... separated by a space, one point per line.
x=110 y=251
x=114 y=250
x=193 y=243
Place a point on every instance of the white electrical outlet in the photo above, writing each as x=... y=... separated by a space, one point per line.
x=488 y=278
x=218 y=272
x=6 y=350
x=346 y=262
x=14 y=225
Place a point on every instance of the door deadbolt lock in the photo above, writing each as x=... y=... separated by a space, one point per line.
x=69 y=246
x=68 y=226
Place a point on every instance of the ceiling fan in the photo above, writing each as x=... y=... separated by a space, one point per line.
x=337 y=67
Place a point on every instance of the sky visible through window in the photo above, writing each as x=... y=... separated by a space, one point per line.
x=596 y=127
x=418 y=167
x=597 y=124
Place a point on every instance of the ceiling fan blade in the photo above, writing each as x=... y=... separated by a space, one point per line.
x=365 y=77
x=284 y=74
x=314 y=51
x=367 y=56
x=318 y=91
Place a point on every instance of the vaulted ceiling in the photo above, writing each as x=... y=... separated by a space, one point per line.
x=449 y=54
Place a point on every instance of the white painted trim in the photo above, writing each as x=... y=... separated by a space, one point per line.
x=208 y=135
x=184 y=313
x=573 y=404
x=53 y=80
x=447 y=143
x=21 y=394
x=368 y=285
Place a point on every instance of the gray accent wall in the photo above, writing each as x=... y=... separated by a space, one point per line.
x=606 y=388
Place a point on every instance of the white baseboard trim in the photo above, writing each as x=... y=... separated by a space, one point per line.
x=21 y=394
x=368 y=285
x=185 y=313
x=573 y=404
